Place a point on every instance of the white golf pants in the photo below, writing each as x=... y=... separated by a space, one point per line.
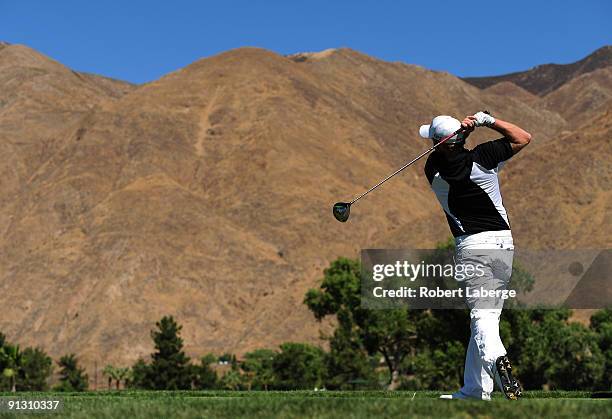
x=493 y=251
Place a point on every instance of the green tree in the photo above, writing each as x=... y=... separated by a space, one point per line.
x=117 y=374
x=579 y=363
x=140 y=375
x=128 y=378
x=10 y=360
x=435 y=367
x=169 y=369
x=524 y=333
x=110 y=373
x=35 y=369
x=204 y=377
x=601 y=324
x=259 y=369
x=3 y=380
x=390 y=333
x=124 y=374
x=231 y=380
x=522 y=281
x=550 y=351
x=348 y=362
x=72 y=377
x=298 y=366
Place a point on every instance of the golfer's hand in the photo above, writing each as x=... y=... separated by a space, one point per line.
x=469 y=124
x=483 y=119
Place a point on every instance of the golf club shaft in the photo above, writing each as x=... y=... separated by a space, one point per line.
x=443 y=140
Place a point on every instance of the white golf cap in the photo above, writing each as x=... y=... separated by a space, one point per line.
x=440 y=127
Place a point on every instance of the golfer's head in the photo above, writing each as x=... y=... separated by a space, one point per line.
x=441 y=127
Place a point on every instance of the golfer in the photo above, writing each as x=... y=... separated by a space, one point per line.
x=466 y=184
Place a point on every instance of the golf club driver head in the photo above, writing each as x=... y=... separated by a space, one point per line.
x=341 y=211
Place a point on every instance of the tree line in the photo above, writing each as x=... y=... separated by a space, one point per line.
x=30 y=370
x=396 y=348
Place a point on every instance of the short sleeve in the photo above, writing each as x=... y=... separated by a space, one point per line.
x=490 y=154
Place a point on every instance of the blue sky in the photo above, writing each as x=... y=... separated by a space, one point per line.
x=142 y=40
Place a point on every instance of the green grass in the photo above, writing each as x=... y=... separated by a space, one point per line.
x=330 y=404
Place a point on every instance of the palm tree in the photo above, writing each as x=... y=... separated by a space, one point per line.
x=123 y=374
x=128 y=378
x=10 y=357
x=111 y=373
x=117 y=374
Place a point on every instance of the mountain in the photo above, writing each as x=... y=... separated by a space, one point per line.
x=207 y=194
x=42 y=103
x=545 y=78
x=583 y=97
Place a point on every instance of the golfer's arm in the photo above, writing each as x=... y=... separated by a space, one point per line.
x=517 y=136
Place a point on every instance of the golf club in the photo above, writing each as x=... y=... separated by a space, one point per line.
x=342 y=210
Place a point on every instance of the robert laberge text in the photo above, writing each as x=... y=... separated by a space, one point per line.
x=437 y=292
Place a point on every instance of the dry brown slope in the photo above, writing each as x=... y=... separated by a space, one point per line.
x=583 y=97
x=509 y=89
x=207 y=195
x=41 y=104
